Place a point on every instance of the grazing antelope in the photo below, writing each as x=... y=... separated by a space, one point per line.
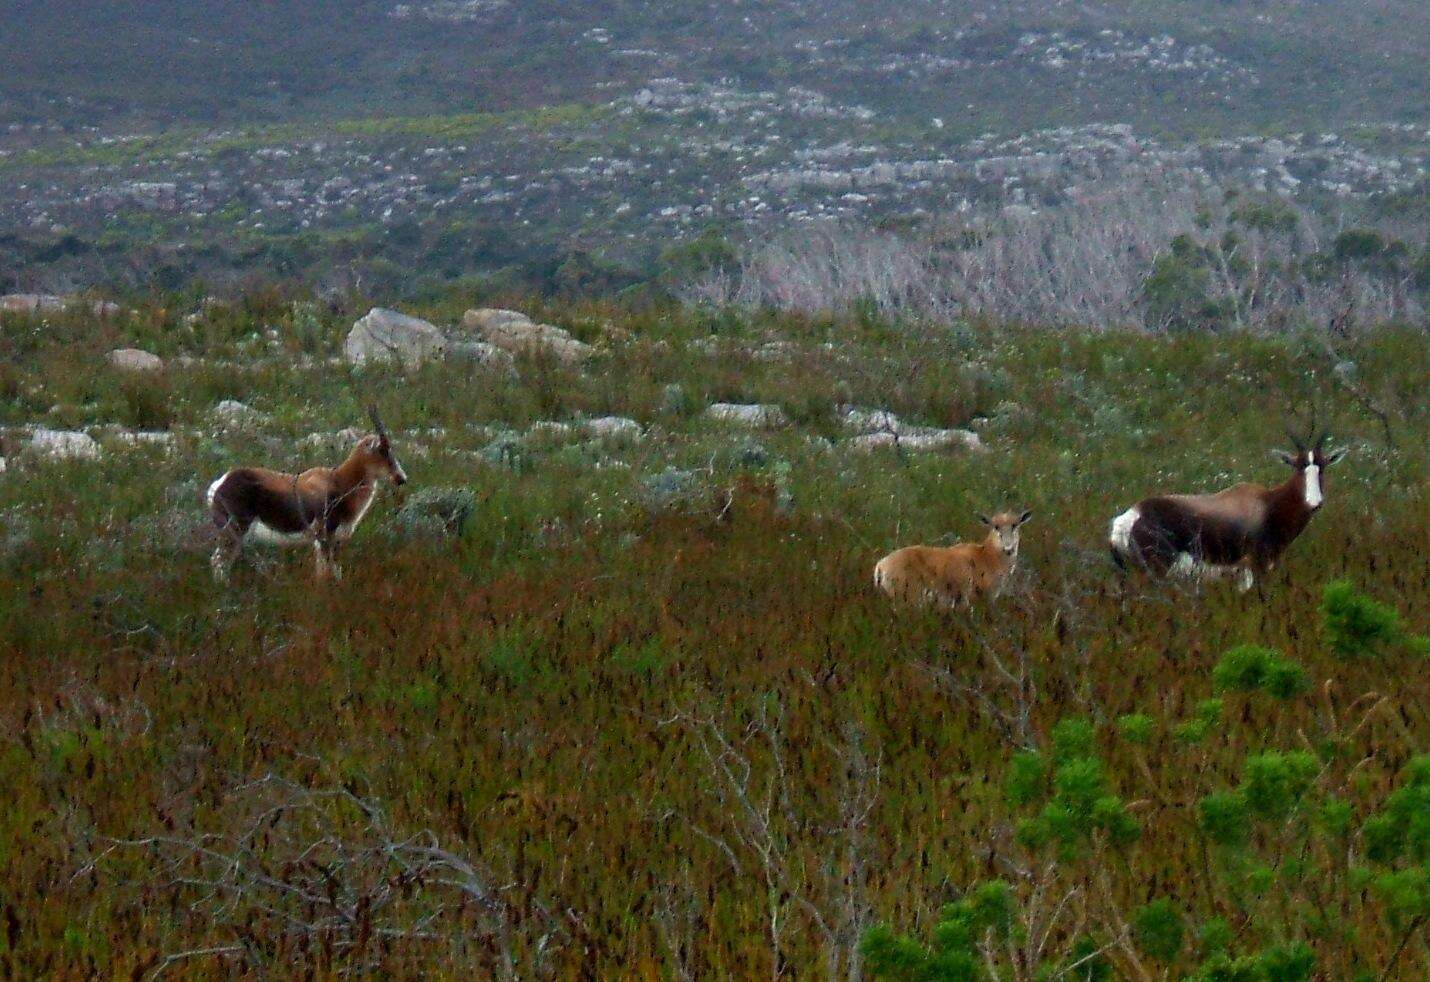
x=322 y=505
x=1241 y=531
x=949 y=575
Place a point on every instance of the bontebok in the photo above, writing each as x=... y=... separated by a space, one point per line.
x=1241 y=531
x=322 y=506
x=948 y=576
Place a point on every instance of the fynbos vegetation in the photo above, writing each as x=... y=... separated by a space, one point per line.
x=609 y=690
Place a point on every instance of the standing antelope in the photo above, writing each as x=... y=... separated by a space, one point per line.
x=949 y=575
x=1241 y=531
x=322 y=505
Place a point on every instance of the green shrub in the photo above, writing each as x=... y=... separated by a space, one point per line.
x=1135 y=727
x=1281 y=963
x=1274 y=783
x=1081 y=802
x=1073 y=738
x=954 y=954
x=1216 y=937
x=1027 y=778
x=1252 y=668
x=1402 y=827
x=1225 y=818
x=1359 y=627
x=1085 y=963
x=1158 y=929
x=1405 y=893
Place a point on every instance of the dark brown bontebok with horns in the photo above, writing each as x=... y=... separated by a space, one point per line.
x=322 y=505
x=1241 y=531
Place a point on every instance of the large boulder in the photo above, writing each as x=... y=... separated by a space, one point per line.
x=386 y=336
x=135 y=360
x=63 y=445
x=518 y=334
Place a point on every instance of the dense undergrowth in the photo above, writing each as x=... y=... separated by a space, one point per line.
x=604 y=731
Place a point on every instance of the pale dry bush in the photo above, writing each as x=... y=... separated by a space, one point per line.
x=1083 y=263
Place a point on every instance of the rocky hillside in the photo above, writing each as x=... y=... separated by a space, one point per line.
x=526 y=135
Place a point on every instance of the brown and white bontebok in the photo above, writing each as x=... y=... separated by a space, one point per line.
x=950 y=575
x=322 y=506
x=1241 y=531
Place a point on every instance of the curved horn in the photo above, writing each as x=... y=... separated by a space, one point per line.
x=1297 y=441
x=377 y=422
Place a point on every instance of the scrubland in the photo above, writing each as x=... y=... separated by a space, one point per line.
x=634 y=709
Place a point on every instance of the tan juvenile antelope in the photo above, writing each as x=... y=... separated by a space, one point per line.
x=950 y=575
x=322 y=505
x=1241 y=531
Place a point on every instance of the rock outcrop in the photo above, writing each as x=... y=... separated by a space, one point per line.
x=514 y=332
x=878 y=428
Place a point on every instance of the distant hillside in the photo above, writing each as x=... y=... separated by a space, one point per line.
x=98 y=63
x=381 y=143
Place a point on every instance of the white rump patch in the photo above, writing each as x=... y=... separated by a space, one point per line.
x=213 y=488
x=270 y=536
x=1122 y=526
x=1313 y=486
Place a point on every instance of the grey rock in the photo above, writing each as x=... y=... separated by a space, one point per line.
x=920 y=439
x=860 y=420
x=441 y=512
x=32 y=303
x=231 y=412
x=387 y=336
x=516 y=333
x=482 y=355
x=63 y=445
x=753 y=416
x=135 y=360
x=614 y=428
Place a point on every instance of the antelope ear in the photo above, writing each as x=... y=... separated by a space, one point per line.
x=1023 y=518
x=1285 y=456
x=985 y=520
x=1335 y=455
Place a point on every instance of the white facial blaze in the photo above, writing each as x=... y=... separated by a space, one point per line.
x=213 y=488
x=1313 y=486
